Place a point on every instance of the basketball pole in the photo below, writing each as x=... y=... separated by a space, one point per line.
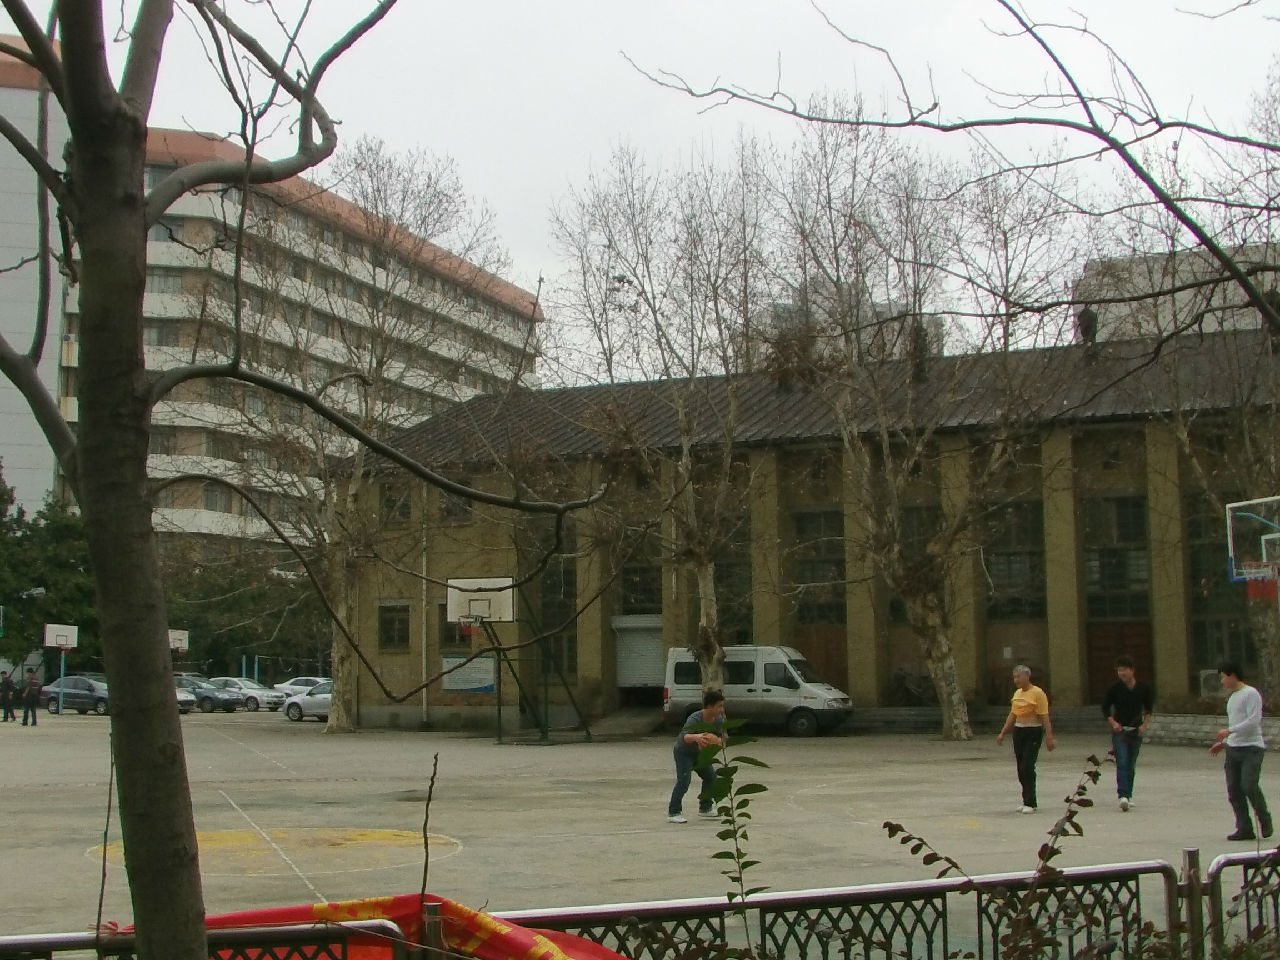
x=62 y=673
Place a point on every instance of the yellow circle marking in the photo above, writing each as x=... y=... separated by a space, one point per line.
x=314 y=851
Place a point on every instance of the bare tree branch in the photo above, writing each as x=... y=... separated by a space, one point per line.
x=256 y=169
x=138 y=84
x=22 y=373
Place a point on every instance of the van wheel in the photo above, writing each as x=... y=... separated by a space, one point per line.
x=802 y=723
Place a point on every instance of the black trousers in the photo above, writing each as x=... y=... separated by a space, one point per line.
x=1026 y=749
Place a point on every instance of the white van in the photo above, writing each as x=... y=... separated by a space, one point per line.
x=772 y=685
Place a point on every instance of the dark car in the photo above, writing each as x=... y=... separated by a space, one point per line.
x=210 y=698
x=80 y=694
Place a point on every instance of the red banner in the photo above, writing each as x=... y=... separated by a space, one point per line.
x=463 y=930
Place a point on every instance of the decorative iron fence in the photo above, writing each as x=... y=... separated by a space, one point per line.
x=312 y=941
x=927 y=919
x=1113 y=909
x=1253 y=907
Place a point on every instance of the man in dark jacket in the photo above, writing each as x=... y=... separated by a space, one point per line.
x=31 y=697
x=8 y=690
x=1127 y=707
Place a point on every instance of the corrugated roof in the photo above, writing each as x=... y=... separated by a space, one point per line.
x=1115 y=380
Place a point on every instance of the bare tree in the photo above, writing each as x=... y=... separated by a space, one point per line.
x=102 y=198
x=667 y=283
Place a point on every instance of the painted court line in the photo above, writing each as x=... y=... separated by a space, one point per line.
x=320 y=898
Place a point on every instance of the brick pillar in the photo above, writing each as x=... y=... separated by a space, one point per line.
x=864 y=599
x=1169 y=627
x=768 y=517
x=1064 y=586
x=962 y=571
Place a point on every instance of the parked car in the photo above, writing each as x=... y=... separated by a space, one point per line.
x=78 y=693
x=209 y=697
x=765 y=685
x=299 y=685
x=255 y=694
x=186 y=699
x=313 y=703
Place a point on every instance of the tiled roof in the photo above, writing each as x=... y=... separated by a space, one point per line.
x=1112 y=381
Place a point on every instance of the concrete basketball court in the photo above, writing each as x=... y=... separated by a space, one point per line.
x=287 y=815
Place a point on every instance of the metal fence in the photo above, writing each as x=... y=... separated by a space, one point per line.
x=931 y=920
x=1117 y=909
x=311 y=941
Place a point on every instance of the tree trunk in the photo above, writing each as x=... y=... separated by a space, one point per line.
x=1264 y=625
x=706 y=645
x=156 y=822
x=344 y=665
x=925 y=614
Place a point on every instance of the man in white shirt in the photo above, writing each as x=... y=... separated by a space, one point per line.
x=1242 y=740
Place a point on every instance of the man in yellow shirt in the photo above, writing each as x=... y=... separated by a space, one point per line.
x=1029 y=720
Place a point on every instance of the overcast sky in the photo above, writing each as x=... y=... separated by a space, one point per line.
x=529 y=96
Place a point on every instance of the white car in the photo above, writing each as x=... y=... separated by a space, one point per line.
x=299 y=685
x=313 y=703
x=186 y=699
x=255 y=694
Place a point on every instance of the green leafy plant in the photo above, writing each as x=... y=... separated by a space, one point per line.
x=732 y=798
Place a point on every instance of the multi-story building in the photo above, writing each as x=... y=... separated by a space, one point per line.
x=27 y=460
x=1161 y=294
x=332 y=298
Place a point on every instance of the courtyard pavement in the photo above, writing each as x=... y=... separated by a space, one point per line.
x=289 y=815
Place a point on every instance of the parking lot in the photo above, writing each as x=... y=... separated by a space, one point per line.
x=287 y=814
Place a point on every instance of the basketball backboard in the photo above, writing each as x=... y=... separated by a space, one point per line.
x=1253 y=538
x=61 y=635
x=481 y=598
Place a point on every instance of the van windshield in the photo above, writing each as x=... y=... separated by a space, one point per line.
x=804 y=671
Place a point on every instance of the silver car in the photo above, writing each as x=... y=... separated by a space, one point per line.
x=314 y=703
x=186 y=699
x=299 y=685
x=255 y=694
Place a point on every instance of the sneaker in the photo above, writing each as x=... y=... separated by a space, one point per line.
x=1242 y=835
x=708 y=815
x=1125 y=804
x=676 y=818
x=1025 y=809
x=1267 y=828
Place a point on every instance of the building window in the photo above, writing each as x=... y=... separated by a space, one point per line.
x=1013 y=558
x=916 y=527
x=393 y=625
x=162 y=441
x=454 y=641
x=455 y=508
x=222 y=392
x=1220 y=626
x=818 y=567
x=559 y=602
x=156 y=173
x=222 y=446
x=161 y=333
x=1116 y=562
x=164 y=281
x=733 y=584
x=255 y=405
x=290 y=410
x=217 y=498
x=396 y=506
x=165 y=231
